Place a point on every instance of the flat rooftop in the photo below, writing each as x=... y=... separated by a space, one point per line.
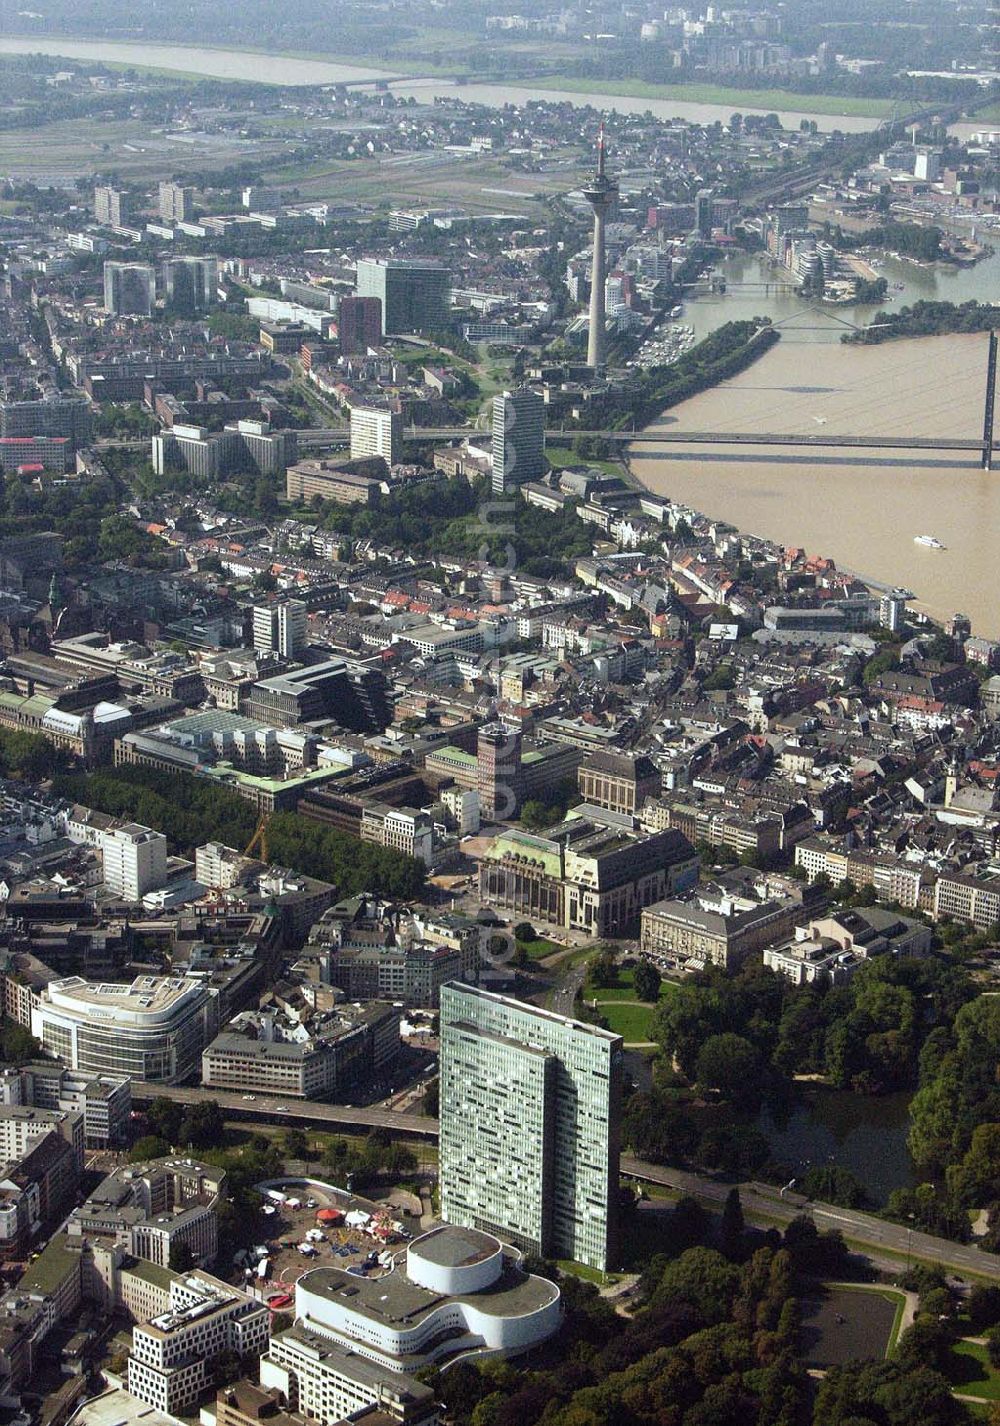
x=352 y=1364
x=146 y=995
x=521 y=1008
x=394 y=1299
x=455 y=1247
x=118 y=1407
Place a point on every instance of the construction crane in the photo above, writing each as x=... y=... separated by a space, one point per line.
x=259 y=838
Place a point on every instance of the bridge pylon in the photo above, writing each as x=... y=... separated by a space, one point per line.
x=989 y=411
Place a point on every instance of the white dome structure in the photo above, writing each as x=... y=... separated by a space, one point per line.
x=452 y=1291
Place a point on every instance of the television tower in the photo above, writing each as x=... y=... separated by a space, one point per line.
x=602 y=195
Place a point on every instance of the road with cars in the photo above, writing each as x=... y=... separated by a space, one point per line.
x=308 y=1113
x=892 y=1243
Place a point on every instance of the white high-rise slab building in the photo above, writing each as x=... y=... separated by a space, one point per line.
x=518 y=440
x=530 y=1113
x=375 y=432
x=135 y=860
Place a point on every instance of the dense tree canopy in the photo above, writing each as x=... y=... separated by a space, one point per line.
x=191 y=811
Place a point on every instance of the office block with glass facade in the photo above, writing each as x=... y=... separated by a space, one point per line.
x=530 y=1115
x=414 y=292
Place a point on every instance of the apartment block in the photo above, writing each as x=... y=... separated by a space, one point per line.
x=129 y=289
x=280 y=628
x=135 y=860
x=176 y=202
x=414 y=292
x=111 y=207
x=359 y=324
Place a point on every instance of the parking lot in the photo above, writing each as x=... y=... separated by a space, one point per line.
x=297 y=1238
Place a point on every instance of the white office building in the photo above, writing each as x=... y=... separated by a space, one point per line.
x=135 y=860
x=518 y=447
x=153 y=1029
x=530 y=1113
x=375 y=432
x=280 y=628
x=170 y=1364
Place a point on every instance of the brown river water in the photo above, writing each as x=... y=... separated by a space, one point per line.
x=863 y=508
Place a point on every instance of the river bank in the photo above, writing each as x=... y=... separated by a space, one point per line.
x=267 y=67
x=863 y=508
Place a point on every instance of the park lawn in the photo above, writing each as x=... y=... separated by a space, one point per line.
x=623 y=990
x=559 y=456
x=633 y=1022
x=588 y=1274
x=539 y=948
x=626 y=1015
x=971 y=1373
x=626 y=993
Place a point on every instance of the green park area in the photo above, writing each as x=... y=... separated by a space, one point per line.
x=537 y=948
x=622 y=1005
x=971 y=1372
x=560 y=456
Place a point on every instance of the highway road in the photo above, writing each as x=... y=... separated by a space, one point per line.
x=889 y=1242
x=883 y=1241
x=269 y=1109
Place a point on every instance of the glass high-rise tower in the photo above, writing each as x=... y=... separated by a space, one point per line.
x=530 y=1115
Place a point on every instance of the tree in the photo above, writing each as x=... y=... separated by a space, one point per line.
x=688 y=1223
x=993 y=1346
x=732 y=1225
x=974 y=1181
x=182 y=1258
x=203 y=1126
x=704 y=1280
x=150 y=1146
x=604 y=969
x=927 y=1343
x=721 y=679
x=535 y=815
x=165 y=1117
x=832 y=1184
x=17 y=1045
x=646 y=979
x=729 y=1064
x=295 y=1143
x=984 y=1307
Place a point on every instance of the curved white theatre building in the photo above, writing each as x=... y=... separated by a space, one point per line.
x=453 y=1291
